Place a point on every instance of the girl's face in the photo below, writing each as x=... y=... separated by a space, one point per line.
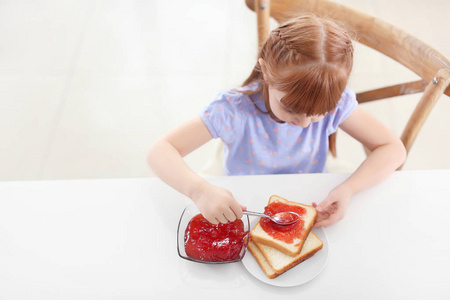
x=287 y=116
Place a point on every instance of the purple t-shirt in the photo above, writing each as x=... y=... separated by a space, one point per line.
x=256 y=144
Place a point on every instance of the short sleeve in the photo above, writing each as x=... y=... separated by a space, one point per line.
x=346 y=106
x=221 y=116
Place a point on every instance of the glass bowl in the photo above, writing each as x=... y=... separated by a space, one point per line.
x=191 y=211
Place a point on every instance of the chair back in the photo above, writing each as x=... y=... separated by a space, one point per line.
x=430 y=65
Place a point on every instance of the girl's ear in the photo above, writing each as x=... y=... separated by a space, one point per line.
x=263 y=67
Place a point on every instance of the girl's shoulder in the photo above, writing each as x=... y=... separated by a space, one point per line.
x=242 y=96
x=348 y=96
x=347 y=102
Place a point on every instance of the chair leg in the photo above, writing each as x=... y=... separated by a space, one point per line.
x=262 y=9
x=429 y=98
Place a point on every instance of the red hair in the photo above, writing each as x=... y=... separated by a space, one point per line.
x=308 y=58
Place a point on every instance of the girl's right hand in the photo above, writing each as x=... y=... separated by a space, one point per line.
x=217 y=204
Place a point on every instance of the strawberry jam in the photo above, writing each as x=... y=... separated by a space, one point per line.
x=214 y=242
x=285 y=233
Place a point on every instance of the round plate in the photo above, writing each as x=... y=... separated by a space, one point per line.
x=298 y=275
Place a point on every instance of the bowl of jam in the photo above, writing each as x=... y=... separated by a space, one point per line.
x=201 y=241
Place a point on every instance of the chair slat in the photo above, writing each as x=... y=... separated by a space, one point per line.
x=392 y=91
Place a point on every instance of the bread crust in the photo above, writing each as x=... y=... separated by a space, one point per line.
x=261 y=260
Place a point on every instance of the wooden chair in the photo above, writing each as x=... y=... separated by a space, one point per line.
x=431 y=66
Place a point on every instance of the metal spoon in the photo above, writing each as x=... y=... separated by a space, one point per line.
x=281 y=218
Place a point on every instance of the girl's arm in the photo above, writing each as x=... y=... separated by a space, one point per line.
x=166 y=159
x=387 y=154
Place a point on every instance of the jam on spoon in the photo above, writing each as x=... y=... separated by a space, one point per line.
x=281 y=218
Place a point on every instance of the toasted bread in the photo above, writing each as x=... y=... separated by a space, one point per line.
x=275 y=263
x=260 y=236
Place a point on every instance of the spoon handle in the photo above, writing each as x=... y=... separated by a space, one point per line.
x=247 y=212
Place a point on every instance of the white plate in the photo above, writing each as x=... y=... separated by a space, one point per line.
x=298 y=275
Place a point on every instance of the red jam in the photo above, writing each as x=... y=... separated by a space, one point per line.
x=214 y=242
x=285 y=233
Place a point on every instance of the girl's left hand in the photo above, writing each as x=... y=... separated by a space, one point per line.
x=333 y=207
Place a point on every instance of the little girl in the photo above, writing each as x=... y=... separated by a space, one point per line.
x=279 y=121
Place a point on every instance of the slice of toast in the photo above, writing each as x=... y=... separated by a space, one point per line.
x=260 y=236
x=275 y=263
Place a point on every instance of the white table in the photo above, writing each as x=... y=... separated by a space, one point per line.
x=105 y=239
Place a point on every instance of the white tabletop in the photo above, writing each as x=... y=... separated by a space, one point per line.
x=105 y=239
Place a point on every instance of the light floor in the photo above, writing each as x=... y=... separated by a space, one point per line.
x=86 y=86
